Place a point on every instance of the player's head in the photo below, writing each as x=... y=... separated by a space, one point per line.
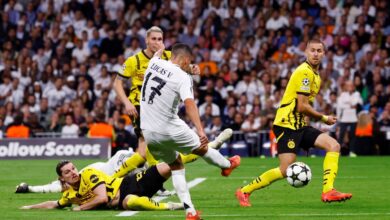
x=67 y=172
x=315 y=51
x=182 y=55
x=154 y=38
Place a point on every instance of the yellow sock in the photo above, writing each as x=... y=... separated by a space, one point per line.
x=263 y=180
x=331 y=165
x=188 y=158
x=130 y=164
x=150 y=158
x=144 y=203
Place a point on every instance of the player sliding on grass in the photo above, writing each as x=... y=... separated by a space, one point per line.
x=292 y=132
x=117 y=164
x=93 y=189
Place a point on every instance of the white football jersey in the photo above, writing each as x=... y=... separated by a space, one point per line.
x=165 y=85
x=113 y=164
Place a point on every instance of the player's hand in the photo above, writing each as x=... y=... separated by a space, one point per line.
x=203 y=139
x=25 y=207
x=160 y=51
x=131 y=110
x=195 y=70
x=331 y=120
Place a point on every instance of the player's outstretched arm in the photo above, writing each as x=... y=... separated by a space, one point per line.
x=192 y=112
x=304 y=107
x=118 y=87
x=43 y=205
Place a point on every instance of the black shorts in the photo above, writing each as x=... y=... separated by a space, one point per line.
x=289 y=141
x=144 y=183
x=137 y=122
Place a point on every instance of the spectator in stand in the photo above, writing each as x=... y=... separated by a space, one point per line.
x=251 y=124
x=54 y=125
x=5 y=89
x=248 y=86
x=17 y=94
x=366 y=131
x=44 y=113
x=215 y=110
x=276 y=22
x=208 y=63
x=56 y=96
x=207 y=115
x=33 y=105
x=124 y=140
x=36 y=128
x=18 y=129
x=102 y=129
x=70 y=129
x=214 y=128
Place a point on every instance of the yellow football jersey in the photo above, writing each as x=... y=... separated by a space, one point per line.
x=134 y=68
x=89 y=179
x=304 y=80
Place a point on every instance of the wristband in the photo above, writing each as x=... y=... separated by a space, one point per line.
x=324 y=118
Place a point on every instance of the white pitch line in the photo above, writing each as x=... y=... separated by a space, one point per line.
x=160 y=198
x=280 y=215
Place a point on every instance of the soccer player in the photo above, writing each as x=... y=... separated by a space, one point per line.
x=292 y=132
x=134 y=68
x=92 y=189
x=166 y=83
x=109 y=168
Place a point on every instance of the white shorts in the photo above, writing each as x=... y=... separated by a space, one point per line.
x=166 y=147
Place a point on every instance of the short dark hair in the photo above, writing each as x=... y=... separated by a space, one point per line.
x=60 y=165
x=181 y=49
x=315 y=41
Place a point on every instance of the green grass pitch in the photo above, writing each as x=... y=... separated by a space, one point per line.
x=368 y=178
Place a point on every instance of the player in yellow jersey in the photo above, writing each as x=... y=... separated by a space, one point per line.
x=134 y=69
x=292 y=132
x=93 y=189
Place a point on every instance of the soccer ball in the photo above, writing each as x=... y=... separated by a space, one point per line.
x=298 y=174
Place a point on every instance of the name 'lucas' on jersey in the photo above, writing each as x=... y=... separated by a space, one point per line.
x=305 y=81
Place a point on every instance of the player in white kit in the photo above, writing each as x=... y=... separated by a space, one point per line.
x=166 y=83
x=108 y=168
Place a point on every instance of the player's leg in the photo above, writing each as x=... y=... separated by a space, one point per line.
x=139 y=203
x=265 y=178
x=141 y=154
x=216 y=144
x=53 y=187
x=211 y=155
x=166 y=147
x=180 y=185
x=330 y=166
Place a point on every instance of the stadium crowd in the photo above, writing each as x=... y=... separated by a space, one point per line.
x=58 y=60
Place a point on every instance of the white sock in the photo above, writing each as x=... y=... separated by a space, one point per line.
x=180 y=184
x=213 y=157
x=53 y=187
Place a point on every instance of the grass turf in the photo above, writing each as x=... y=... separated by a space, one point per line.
x=368 y=178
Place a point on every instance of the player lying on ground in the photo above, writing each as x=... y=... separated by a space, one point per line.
x=292 y=132
x=93 y=189
x=119 y=164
